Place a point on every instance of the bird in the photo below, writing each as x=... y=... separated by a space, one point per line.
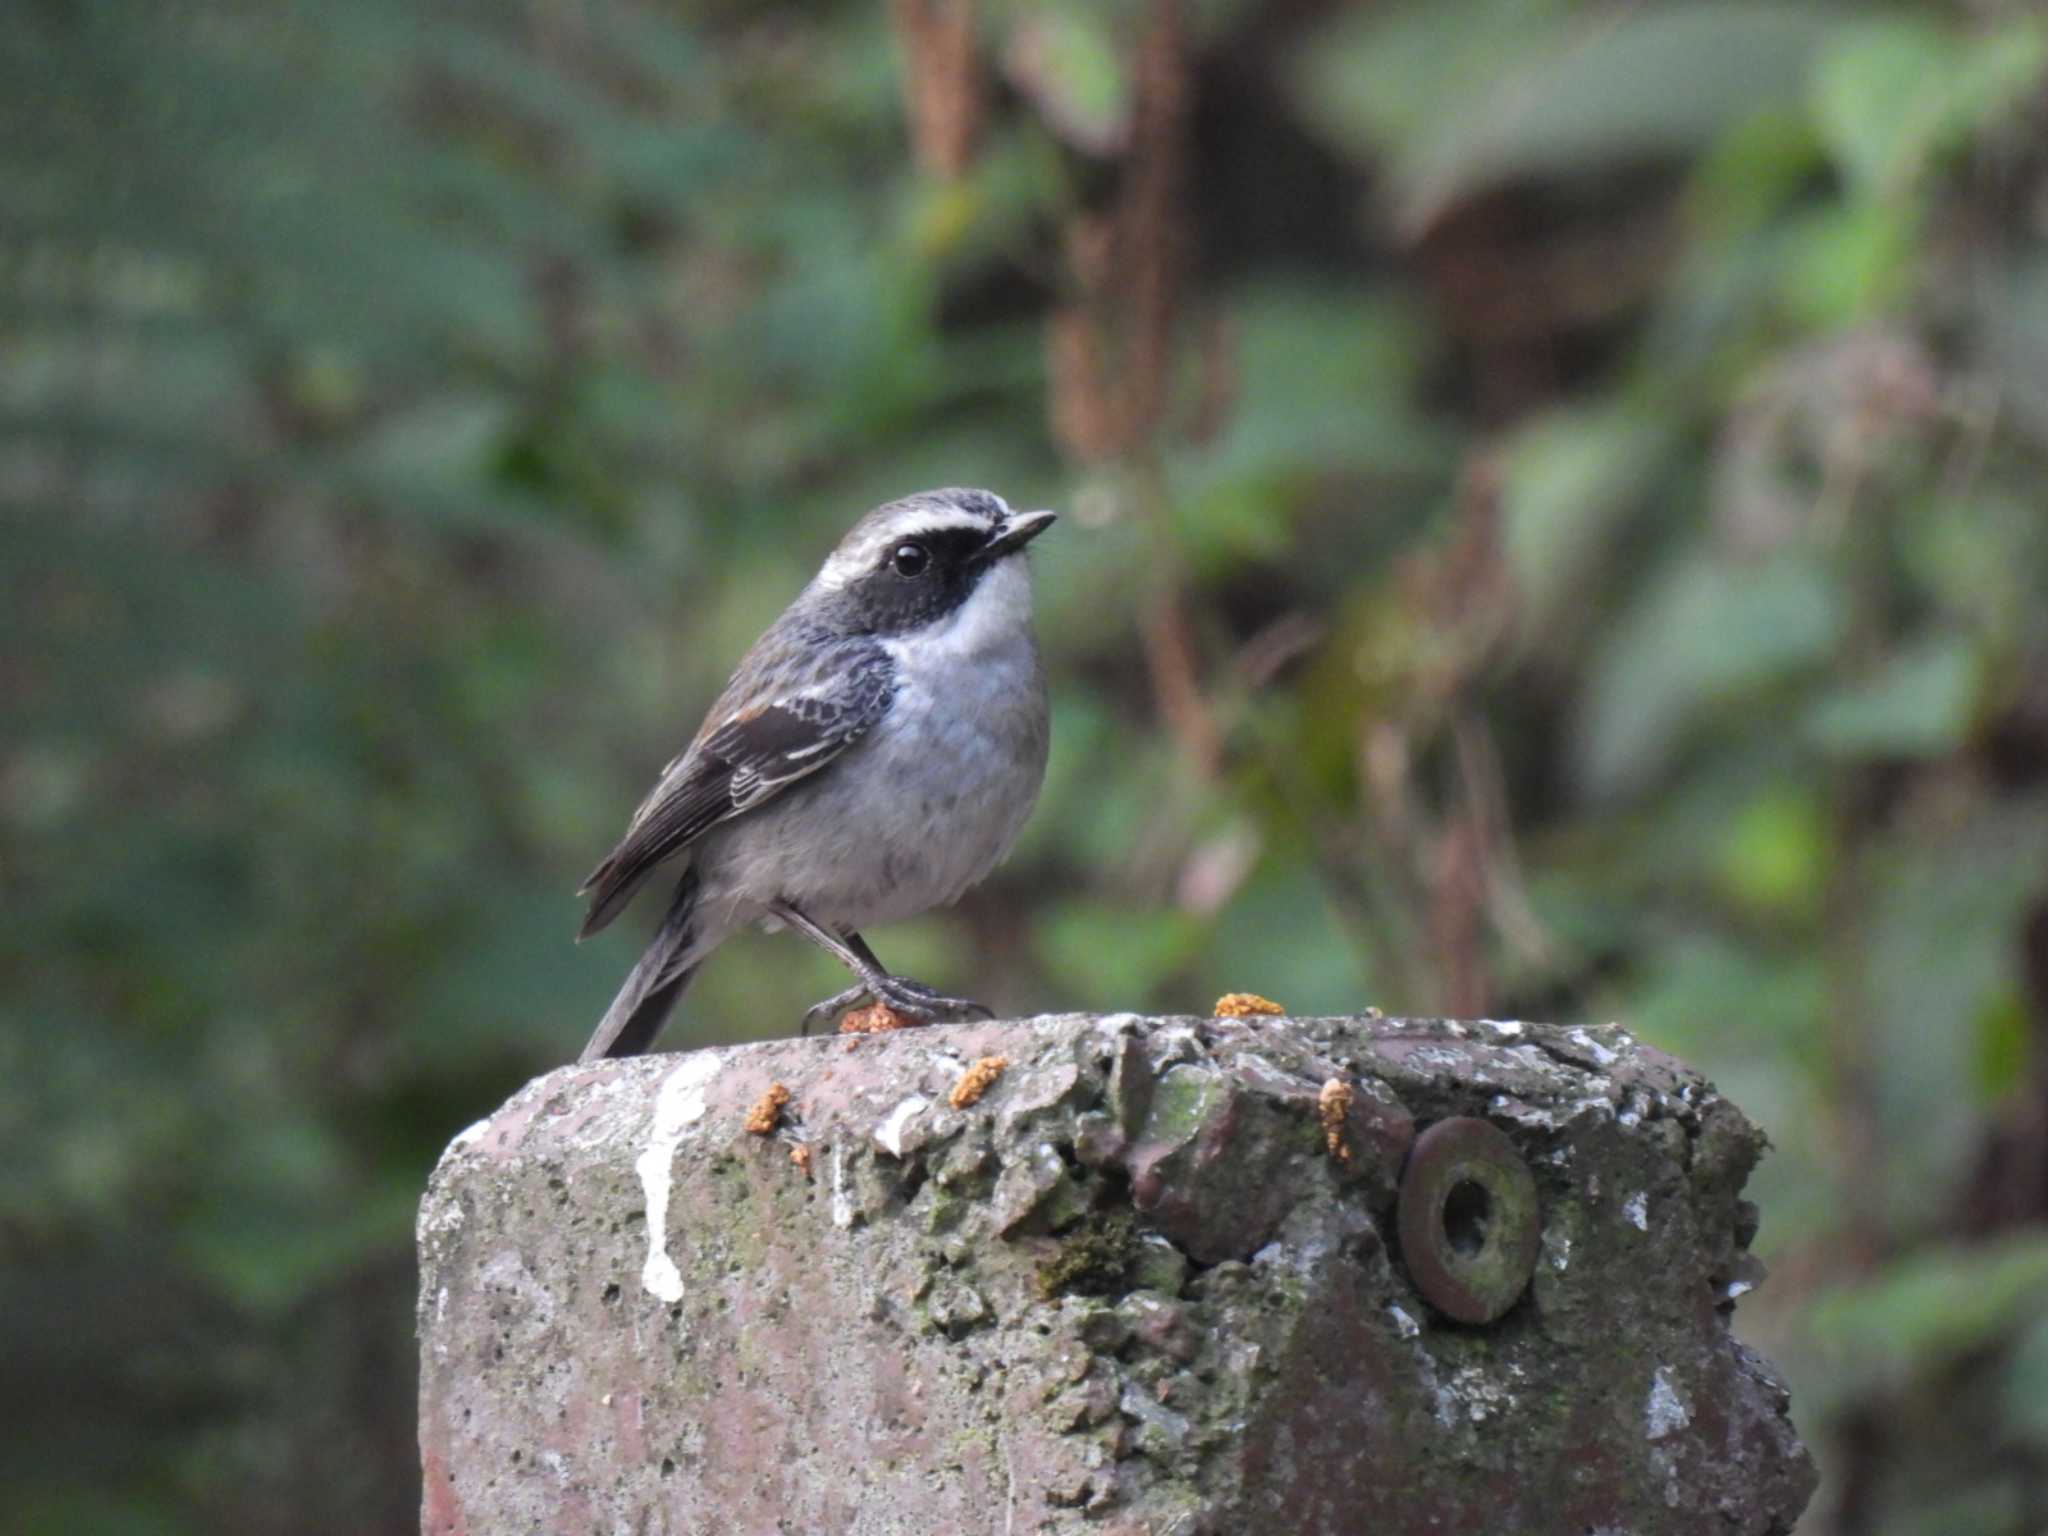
x=874 y=755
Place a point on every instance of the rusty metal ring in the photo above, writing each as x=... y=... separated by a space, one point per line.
x=1469 y=1219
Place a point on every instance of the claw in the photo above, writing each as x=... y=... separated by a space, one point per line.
x=839 y=1002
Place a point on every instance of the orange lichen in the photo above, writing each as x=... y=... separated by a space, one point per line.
x=1245 y=1005
x=874 y=1020
x=977 y=1080
x=1332 y=1105
x=800 y=1154
x=767 y=1111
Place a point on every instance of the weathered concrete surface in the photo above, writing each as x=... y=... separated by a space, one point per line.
x=1129 y=1290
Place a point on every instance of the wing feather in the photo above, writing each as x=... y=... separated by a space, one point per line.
x=741 y=764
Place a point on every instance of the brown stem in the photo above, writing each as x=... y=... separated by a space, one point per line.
x=942 y=82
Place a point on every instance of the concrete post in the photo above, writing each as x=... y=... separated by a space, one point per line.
x=1105 y=1274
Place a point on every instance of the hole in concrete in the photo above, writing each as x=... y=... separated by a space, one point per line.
x=611 y=1293
x=914 y=1176
x=668 y=1466
x=1467 y=1210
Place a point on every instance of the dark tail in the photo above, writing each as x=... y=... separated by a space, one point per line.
x=664 y=969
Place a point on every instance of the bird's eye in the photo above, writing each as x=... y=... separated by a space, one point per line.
x=910 y=559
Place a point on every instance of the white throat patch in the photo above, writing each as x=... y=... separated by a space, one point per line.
x=997 y=613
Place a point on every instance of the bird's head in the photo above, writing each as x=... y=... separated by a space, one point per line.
x=930 y=559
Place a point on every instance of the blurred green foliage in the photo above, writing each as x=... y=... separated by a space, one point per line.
x=1582 y=554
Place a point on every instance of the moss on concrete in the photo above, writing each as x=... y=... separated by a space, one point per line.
x=1094 y=1259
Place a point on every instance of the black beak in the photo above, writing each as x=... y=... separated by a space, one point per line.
x=1021 y=529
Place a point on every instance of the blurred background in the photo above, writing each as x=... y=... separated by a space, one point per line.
x=1555 y=528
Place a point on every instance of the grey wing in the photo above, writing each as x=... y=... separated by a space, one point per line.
x=742 y=763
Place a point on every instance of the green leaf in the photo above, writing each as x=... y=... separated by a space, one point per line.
x=1847 y=263
x=1069 y=61
x=1573 y=479
x=1774 y=858
x=1928 y=1309
x=1751 y=174
x=1891 y=96
x=1709 y=628
x=1324 y=388
x=1878 y=97
x=1938 y=949
x=1521 y=93
x=1917 y=705
x=1375 y=80
x=2004 y=1030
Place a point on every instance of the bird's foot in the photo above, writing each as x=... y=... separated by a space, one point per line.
x=913 y=1001
x=929 y=1003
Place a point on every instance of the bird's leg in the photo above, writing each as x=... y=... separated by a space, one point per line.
x=913 y=999
x=922 y=997
x=859 y=946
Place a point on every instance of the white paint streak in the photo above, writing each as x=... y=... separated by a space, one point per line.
x=889 y=1134
x=1404 y=1325
x=842 y=1194
x=1665 y=1412
x=1637 y=1209
x=678 y=1106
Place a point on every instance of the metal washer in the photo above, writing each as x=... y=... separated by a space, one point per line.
x=1469 y=1220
